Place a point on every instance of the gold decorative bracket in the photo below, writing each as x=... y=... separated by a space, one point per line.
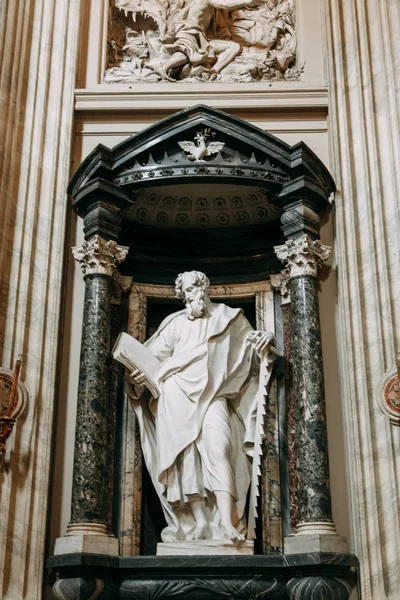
x=12 y=402
x=390 y=395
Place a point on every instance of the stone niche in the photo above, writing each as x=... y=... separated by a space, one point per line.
x=232 y=41
x=202 y=190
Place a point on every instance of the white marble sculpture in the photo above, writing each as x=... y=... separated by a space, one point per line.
x=202 y=40
x=199 y=148
x=198 y=437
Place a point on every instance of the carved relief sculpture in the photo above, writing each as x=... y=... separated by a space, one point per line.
x=201 y=40
x=200 y=436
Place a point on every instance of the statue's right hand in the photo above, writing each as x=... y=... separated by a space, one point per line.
x=138 y=377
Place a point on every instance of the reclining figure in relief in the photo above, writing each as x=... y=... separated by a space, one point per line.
x=187 y=38
x=202 y=40
x=199 y=436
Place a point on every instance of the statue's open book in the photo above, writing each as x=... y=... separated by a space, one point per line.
x=133 y=355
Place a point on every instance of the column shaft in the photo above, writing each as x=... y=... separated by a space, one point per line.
x=315 y=529
x=88 y=530
x=91 y=441
x=308 y=384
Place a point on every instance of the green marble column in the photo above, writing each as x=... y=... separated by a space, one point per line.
x=89 y=485
x=314 y=501
x=89 y=512
x=303 y=256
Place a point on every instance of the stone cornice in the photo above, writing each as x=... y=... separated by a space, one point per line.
x=166 y=96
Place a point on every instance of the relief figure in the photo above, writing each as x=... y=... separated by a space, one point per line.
x=202 y=40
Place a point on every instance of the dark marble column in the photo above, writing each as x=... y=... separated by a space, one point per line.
x=281 y=284
x=311 y=438
x=93 y=450
x=89 y=482
x=303 y=256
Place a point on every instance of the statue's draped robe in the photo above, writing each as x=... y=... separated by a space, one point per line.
x=207 y=361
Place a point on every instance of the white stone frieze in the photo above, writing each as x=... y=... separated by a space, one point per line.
x=201 y=40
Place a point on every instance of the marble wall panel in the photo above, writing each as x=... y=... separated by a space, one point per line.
x=363 y=51
x=38 y=46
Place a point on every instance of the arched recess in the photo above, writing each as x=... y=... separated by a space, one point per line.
x=178 y=206
x=220 y=213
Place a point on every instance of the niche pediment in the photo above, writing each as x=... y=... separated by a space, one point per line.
x=204 y=146
x=203 y=181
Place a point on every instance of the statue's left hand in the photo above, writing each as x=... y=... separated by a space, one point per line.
x=138 y=377
x=262 y=340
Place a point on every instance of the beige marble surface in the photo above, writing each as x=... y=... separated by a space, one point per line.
x=39 y=41
x=314 y=542
x=204 y=547
x=91 y=544
x=363 y=51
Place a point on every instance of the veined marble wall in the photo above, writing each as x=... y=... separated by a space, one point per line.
x=38 y=43
x=364 y=84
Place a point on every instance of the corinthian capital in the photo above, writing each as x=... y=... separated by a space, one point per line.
x=99 y=256
x=303 y=255
x=280 y=283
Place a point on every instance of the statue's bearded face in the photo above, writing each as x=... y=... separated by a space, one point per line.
x=194 y=299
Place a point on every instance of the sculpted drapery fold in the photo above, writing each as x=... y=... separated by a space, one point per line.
x=198 y=436
x=201 y=40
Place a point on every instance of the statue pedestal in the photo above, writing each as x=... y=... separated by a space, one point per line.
x=269 y=577
x=205 y=547
x=298 y=544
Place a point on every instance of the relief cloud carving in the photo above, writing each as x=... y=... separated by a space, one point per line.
x=201 y=40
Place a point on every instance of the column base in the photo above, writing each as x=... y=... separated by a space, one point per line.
x=315 y=536
x=89 y=538
x=315 y=542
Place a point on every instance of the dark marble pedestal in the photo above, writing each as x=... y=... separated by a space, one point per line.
x=295 y=577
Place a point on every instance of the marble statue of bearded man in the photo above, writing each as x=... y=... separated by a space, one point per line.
x=197 y=437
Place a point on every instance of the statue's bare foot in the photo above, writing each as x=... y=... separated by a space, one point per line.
x=199 y=533
x=163 y=73
x=232 y=534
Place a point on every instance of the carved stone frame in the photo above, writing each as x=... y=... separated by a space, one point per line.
x=131 y=486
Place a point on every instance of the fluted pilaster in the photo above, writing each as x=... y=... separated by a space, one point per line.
x=363 y=49
x=38 y=46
